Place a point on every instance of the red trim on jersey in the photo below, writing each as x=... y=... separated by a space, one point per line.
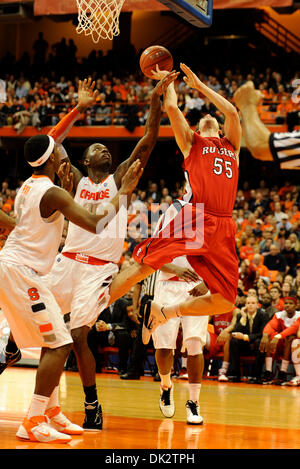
x=37 y=176
x=84 y=259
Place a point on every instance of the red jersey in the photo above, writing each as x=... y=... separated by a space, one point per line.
x=211 y=172
x=282 y=324
x=221 y=321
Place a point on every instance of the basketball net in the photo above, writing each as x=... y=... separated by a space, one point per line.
x=99 y=18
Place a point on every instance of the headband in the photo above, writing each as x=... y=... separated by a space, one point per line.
x=42 y=159
x=291 y=298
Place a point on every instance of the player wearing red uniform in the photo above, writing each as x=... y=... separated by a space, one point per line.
x=211 y=168
x=278 y=335
x=218 y=340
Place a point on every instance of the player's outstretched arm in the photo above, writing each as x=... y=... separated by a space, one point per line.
x=182 y=131
x=57 y=199
x=255 y=133
x=145 y=145
x=86 y=98
x=232 y=126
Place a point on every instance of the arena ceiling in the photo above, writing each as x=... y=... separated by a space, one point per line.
x=66 y=7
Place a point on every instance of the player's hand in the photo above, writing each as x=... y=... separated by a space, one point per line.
x=66 y=176
x=159 y=74
x=264 y=344
x=101 y=326
x=190 y=77
x=86 y=94
x=163 y=84
x=199 y=290
x=238 y=335
x=247 y=95
x=273 y=345
x=131 y=177
x=188 y=275
x=223 y=337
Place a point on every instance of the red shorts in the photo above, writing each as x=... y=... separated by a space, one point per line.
x=209 y=247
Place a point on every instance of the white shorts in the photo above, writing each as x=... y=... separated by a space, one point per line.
x=33 y=315
x=165 y=336
x=80 y=289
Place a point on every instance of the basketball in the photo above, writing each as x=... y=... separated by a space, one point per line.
x=155 y=55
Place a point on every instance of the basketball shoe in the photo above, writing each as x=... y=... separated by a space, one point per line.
x=153 y=317
x=61 y=423
x=193 y=416
x=166 y=402
x=293 y=382
x=222 y=375
x=10 y=359
x=38 y=429
x=93 y=417
x=267 y=377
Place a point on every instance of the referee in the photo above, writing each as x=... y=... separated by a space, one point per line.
x=144 y=291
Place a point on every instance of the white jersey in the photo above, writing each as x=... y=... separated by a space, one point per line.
x=108 y=245
x=178 y=261
x=34 y=242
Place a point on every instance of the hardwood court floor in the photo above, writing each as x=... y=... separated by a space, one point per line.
x=236 y=416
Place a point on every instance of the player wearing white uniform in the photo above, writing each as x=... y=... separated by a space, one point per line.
x=171 y=288
x=83 y=272
x=32 y=312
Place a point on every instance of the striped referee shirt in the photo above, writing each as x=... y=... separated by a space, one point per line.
x=285 y=149
x=148 y=285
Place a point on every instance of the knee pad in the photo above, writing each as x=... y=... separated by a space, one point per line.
x=296 y=351
x=194 y=346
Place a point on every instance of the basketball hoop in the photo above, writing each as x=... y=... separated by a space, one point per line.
x=99 y=18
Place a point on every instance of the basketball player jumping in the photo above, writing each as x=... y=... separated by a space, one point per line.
x=31 y=310
x=83 y=272
x=211 y=170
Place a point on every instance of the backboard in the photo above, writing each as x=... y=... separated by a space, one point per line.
x=197 y=12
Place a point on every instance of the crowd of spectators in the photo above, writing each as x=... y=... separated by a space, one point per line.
x=35 y=95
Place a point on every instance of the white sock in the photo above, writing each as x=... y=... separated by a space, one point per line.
x=172 y=311
x=194 y=390
x=166 y=382
x=269 y=361
x=284 y=365
x=53 y=400
x=38 y=406
x=225 y=366
x=183 y=362
x=297 y=368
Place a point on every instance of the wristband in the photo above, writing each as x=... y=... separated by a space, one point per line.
x=61 y=151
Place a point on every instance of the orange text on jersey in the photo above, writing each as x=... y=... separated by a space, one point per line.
x=84 y=194
x=26 y=189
